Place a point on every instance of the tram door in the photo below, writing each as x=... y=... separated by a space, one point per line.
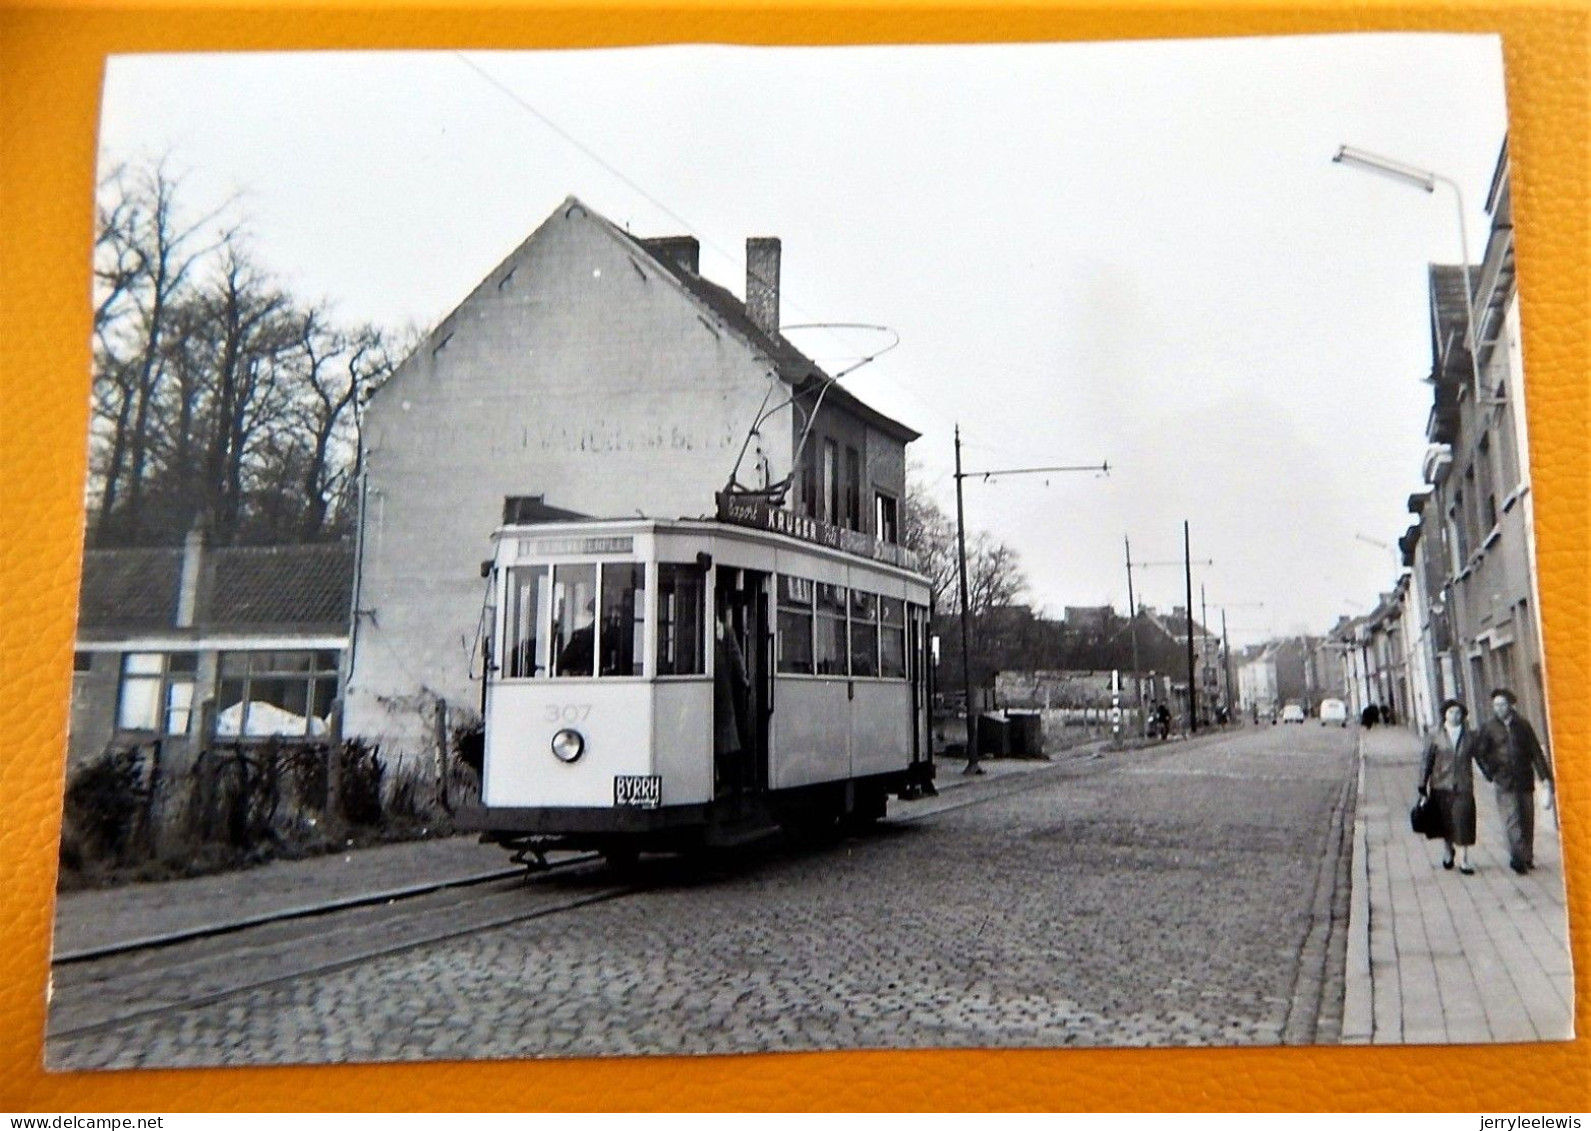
x=740 y=682
x=918 y=663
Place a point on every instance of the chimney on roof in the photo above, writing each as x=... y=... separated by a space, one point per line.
x=193 y=547
x=684 y=252
x=762 y=282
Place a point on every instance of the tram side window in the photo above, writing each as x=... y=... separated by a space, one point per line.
x=891 y=638
x=795 y=625
x=528 y=590
x=574 y=619
x=681 y=599
x=864 y=633
x=831 y=635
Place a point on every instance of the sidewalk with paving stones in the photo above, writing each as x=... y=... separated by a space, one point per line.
x=1436 y=957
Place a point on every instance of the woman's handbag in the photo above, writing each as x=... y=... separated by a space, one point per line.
x=1426 y=817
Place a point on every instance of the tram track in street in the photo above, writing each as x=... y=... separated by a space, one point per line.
x=207 y=975
x=308 y=911
x=166 y=975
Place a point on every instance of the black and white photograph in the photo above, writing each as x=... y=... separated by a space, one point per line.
x=714 y=550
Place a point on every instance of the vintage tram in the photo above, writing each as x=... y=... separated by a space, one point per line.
x=656 y=685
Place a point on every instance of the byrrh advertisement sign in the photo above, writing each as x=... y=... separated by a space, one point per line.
x=745 y=510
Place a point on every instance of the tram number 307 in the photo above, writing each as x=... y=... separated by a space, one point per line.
x=566 y=712
x=642 y=791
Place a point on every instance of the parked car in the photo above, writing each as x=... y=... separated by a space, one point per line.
x=1333 y=711
x=1293 y=713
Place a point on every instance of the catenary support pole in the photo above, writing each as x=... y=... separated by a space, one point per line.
x=1132 y=631
x=966 y=664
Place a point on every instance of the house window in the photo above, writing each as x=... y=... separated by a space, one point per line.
x=831 y=636
x=795 y=625
x=82 y=662
x=1470 y=516
x=623 y=638
x=525 y=653
x=1503 y=666
x=1460 y=540
x=809 y=488
x=1509 y=449
x=681 y=600
x=853 y=489
x=864 y=634
x=831 y=482
x=287 y=694
x=156 y=691
x=887 y=527
x=1488 y=495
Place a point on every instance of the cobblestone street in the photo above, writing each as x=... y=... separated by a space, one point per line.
x=1181 y=895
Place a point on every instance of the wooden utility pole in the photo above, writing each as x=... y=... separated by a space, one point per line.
x=1193 y=691
x=1226 y=665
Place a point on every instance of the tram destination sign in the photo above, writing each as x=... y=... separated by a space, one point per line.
x=742 y=510
x=609 y=545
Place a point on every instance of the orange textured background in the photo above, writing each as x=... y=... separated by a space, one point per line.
x=50 y=65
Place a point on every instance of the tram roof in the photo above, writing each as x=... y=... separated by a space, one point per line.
x=706 y=527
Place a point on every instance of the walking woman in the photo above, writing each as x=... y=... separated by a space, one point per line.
x=1447 y=773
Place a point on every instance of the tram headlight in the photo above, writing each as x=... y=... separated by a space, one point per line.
x=568 y=745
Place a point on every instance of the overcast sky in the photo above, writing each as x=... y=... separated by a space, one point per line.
x=1139 y=253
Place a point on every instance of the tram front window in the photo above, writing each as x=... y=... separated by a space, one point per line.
x=623 y=619
x=574 y=619
x=528 y=590
x=681 y=599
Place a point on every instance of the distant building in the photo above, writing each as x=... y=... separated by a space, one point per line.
x=1256 y=679
x=1295 y=669
x=1072 y=654
x=598 y=373
x=1089 y=618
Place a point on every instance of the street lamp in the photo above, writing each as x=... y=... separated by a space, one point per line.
x=1427 y=180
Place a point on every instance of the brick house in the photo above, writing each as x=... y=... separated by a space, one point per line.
x=596 y=373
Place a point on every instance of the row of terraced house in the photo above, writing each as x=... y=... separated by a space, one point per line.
x=1462 y=617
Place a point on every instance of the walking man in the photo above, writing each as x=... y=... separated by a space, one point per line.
x=1511 y=755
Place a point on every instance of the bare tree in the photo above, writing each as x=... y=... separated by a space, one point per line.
x=994 y=575
x=144 y=253
x=343 y=369
x=216 y=391
x=930 y=533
